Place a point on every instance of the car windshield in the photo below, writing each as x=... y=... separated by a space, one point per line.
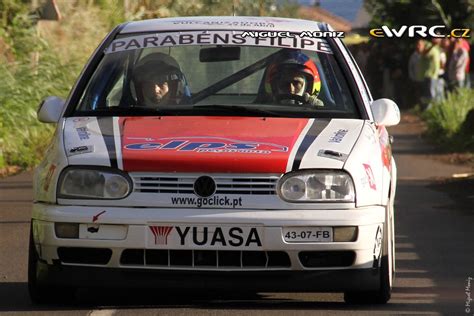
x=219 y=79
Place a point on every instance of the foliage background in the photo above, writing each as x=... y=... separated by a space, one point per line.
x=445 y=119
x=42 y=58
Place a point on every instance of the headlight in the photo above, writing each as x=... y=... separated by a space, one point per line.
x=317 y=186
x=84 y=183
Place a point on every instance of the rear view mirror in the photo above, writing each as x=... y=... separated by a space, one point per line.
x=385 y=112
x=214 y=54
x=50 y=110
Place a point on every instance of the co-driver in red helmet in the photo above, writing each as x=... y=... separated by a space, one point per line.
x=293 y=78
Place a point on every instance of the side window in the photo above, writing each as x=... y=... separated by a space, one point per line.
x=334 y=90
x=115 y=95
x=106 y=87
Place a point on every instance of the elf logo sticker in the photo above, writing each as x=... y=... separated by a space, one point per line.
x=206 y=144
x=370 y=176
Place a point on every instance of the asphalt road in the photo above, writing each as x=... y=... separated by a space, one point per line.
x=435 y=255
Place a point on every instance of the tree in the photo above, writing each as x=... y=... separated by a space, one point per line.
x=395 y=13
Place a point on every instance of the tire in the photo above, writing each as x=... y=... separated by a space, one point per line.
x=44 y=294
x=387 y=269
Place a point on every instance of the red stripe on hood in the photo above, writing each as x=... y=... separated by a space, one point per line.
x=208 y=144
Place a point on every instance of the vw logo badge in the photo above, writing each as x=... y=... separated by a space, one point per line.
x=204 y=186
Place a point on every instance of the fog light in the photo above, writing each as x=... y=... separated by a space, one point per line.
x=66 y=230
x=348 y=233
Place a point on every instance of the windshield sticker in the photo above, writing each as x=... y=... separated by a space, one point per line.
x=208 y=145
x=216 y=38
x=230 y=23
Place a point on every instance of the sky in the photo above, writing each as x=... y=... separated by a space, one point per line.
x=344 y=8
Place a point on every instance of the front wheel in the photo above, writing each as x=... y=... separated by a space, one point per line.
x=387 y=267
x=44 y=294
x=380 y=296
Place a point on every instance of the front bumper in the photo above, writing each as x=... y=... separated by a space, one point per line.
x=125 y=229
x=258 y=281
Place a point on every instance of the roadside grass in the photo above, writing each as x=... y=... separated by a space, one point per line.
x=446 y=121
x=23 y=138
x=48 y=58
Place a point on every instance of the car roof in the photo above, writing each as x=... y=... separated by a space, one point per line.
x=243 y=23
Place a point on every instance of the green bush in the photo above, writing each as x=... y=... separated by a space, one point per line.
x=36 y=73
x=445 y=120
x=22 y=87
x=48 y=57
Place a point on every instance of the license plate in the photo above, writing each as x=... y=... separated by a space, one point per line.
x=190 y=236
x=307 y=234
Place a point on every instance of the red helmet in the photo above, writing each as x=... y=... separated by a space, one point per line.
x=293 y=62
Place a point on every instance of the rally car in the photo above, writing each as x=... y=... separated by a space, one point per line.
x=217 y=152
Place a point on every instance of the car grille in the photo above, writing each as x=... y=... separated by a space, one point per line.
x=84 y=255
x=206 y=259
x=225 y=184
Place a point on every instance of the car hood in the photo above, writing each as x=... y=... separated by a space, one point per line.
x=210 y=144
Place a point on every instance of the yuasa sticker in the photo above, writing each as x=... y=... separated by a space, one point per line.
x=204 y=236
x=161 y=234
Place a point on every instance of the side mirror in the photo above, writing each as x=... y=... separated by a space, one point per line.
x=385 y=112
x=50 y=110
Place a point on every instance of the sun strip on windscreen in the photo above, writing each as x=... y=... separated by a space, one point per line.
x=216 y=38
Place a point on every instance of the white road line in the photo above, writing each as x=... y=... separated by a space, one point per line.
x=102 y=312
x=407 y=255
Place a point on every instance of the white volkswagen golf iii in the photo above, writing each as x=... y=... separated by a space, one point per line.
x=213 y=151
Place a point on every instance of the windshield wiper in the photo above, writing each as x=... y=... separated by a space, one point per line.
x=238 y=108
x=122 y=111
